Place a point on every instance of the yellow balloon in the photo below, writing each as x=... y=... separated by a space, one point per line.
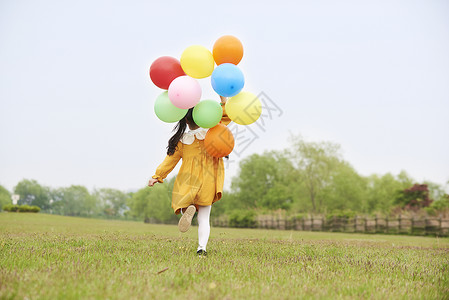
x=197 y=61
x=244 y=108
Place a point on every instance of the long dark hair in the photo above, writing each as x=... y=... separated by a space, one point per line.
x=180 y=128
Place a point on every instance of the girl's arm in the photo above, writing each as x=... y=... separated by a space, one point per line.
x=152 y=181
x=166 y=166
x=224 y=119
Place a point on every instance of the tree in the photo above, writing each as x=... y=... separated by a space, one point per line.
x=74 y=201
x=5 y=197
x=436 y=191
x=32 y=193
x=315 y=163
x=441 y=205
x=153 y=204
x=383 y=190
x=111 y=202
x=346 y=189
x=307 y=177
x=262 y=182
x=414 y=198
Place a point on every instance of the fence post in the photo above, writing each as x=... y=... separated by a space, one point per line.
x=387 y=225
x=274 y=222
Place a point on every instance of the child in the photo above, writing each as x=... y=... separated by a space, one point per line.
x=200 y=179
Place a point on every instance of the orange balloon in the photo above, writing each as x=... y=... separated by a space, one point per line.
x=227 y=49
x=219 y=141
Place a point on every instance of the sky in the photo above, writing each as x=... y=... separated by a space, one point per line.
x=76 y=101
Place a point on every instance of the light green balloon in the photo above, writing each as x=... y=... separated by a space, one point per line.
x=207 y=113
x=166 y=111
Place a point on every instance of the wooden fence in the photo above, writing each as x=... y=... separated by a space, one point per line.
x=400 y=225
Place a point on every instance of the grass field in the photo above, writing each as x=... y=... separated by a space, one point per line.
x=54 y=257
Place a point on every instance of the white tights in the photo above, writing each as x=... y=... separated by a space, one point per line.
x=203 y=226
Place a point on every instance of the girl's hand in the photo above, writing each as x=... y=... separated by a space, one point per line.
x=152 y=181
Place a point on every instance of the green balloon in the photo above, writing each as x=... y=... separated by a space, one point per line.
x=207 y=113
x=166 y=111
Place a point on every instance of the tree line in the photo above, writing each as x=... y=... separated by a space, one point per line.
x=75 y=200
x=308 y=177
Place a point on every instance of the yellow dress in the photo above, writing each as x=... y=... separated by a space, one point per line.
x=201 y=177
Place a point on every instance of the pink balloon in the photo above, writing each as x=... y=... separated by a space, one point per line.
x=184 y=92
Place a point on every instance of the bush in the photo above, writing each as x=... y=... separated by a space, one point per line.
x=35 y=209
x=299 y=216
x=24 y=208
x=21 y=208
x=10 y=207
x=340 y=214
x=442 y=204
x=242 y=219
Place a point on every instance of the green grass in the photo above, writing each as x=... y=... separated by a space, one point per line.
x=54 y=257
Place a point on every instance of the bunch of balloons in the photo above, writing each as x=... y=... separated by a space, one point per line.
x=178 y=78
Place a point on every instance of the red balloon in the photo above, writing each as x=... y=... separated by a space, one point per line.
x=164 y=69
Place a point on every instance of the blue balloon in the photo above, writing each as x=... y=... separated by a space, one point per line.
x=227 y=80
